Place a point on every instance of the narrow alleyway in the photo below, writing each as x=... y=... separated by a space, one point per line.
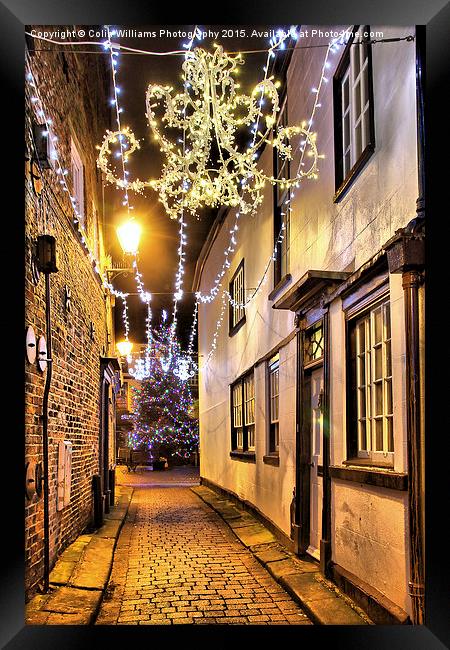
x=177 y=561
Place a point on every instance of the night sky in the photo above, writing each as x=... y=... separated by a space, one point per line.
x=158 y=258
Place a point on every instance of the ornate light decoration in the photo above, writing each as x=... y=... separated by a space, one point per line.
x=185 y=368
x=211 y=169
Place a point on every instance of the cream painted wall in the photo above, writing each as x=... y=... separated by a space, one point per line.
x=327 y=236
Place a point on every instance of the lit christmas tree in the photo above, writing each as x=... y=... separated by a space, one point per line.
x=163 y=414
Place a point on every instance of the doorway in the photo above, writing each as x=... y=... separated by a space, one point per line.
x=316 y=461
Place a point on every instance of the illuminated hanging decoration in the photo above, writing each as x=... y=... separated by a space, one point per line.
x=185 y=368
x=212 y=169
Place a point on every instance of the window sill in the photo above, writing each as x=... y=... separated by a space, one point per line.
x=375 y=476
x=248 y=456
x=272 y=459
x=280 y=285
x=237 y=327
x=353 y=173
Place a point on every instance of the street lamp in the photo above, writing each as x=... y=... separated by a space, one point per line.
x=124 y=348
x=129 y=234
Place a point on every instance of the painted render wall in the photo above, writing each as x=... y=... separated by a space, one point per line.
x=324 y=236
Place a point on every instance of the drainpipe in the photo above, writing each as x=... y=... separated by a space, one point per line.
x=325 y=542
x=46 y=260
x=406 y=255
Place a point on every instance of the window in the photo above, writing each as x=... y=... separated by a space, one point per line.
x=313 y=344
x=243 y=414
x=371 y=404
x=274 y=403
x=237 y=293
x=282 y=211
x=78 y=183
x=353 y=107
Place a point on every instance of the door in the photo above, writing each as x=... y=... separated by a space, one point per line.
x=316 y=463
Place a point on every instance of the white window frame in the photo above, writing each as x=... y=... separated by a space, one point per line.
x=367 y=420
x=237 y=415
x=249 y=409
x=243 y=413
x=78 y=183
x=356 y=77
x=237 y=292
x=273 y=367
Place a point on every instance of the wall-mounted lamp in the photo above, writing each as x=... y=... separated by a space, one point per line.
x=129 y=234
x=124 y=348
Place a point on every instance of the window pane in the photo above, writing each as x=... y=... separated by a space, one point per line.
x=379 y=435
x=345 y=94
x=347 y=163
x=362 y=337
x=358 y=141
x=251 y=437
x=362 y=371
x=357 y=104
x=346 y=131
x=388 y=359
x=387 y=321
x=377 y=326
x=362 y=403
x=388 y=397
x=379 y=398
x=362 y=436
x=365 y=86
x=355 y=57
x=390 y=434
x=378 y=370
x=366 y=128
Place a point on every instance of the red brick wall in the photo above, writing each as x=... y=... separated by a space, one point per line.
x=73 y=90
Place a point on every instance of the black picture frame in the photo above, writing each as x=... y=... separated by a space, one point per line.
x=435 y=14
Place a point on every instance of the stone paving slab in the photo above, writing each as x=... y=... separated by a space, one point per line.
x=109 y=529
x=244 y=520
x=255 y=534
x=280 y=568
x=332 y=611
x=79 y=604
x=270 y=555
x=93 y=571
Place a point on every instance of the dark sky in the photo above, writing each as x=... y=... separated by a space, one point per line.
x=158 y=257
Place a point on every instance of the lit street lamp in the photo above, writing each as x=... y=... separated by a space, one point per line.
x=129 y=234
x=124 y=348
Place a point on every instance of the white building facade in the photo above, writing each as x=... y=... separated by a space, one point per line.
x=304 y=403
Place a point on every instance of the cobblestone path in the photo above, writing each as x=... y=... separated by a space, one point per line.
x=177 y=561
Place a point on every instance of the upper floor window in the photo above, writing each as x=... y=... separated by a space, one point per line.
x=243 y=413
x=237 y=293
x=274 y=403
x=370 y=399
x=281 y=208
x=353 y=110
x=78 y=183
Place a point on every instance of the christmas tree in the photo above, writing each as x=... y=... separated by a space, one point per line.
x=163 y=417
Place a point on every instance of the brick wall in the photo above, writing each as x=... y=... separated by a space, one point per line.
x=73 y=89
